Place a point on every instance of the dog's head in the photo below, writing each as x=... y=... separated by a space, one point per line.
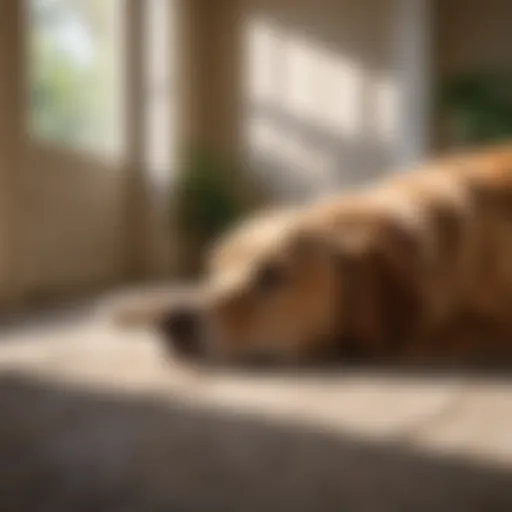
x=281 y=289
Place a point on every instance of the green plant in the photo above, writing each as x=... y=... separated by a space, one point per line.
x=479 y=106
x=211 y=195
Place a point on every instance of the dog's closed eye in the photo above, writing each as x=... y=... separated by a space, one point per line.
x=270 y=278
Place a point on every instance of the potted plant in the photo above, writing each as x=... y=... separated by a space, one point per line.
x=478 y=107
x=210 y=195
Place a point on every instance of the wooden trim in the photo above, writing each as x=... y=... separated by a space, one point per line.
x=136 y=211
x=12 y=112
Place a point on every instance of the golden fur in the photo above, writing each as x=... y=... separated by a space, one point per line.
x=418 y=265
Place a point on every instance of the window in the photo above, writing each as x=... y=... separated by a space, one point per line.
x=74 y=75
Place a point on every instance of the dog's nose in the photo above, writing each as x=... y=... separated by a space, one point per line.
x=181 y=327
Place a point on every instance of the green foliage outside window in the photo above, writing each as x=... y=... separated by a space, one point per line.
x=72 y=77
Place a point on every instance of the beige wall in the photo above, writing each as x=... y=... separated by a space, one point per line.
x=73 y=230
x=208 y=73
x=473 y=35
x=10 y=147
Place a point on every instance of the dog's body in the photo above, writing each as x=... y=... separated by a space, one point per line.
x=440 y=242
x=409 y=267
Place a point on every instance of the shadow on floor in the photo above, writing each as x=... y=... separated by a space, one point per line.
x=64 y=449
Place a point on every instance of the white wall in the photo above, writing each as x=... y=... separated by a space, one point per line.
x=337 y=92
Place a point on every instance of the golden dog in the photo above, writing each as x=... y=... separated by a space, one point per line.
x=415 y=266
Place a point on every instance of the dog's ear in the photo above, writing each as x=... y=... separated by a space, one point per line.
x=382 y=269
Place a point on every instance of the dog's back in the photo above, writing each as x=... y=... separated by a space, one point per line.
x=453 y=218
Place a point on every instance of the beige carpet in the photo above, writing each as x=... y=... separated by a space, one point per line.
x=95 y=419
